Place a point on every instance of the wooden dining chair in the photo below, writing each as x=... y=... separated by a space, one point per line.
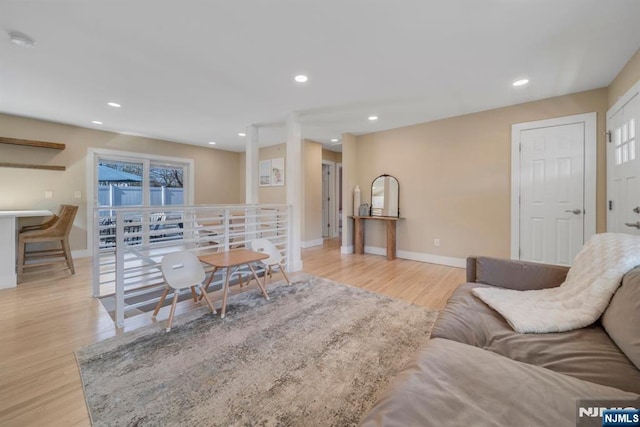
x=55 y=229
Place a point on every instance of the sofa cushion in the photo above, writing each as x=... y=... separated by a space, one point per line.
x=453 y=384
x=588 y=353
x=621 y=320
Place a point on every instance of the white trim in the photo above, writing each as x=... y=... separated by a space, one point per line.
x=336 y=229
x=90 y=164
x=346 y=249
x=81 y=253
x=311 y=243
x=332 y=208
x=420 y=256
x=590 y=162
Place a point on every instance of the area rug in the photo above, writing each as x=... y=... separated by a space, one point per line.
x=317 y=353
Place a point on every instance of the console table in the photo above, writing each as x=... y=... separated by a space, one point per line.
x=8 y=233
x=391 y=233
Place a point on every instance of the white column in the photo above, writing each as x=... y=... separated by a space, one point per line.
x=251 y=166
x=293 y=182
x=349 y=181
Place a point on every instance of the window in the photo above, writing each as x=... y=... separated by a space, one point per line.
x=127 y=181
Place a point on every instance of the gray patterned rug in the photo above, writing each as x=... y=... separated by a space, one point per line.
x=318 y=353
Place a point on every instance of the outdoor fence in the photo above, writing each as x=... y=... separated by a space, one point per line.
x=129 y=243
x=118 y=195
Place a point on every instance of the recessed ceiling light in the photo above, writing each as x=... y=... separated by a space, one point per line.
x=520 y=82
x=21 y=39
x=334 y=140
x=114 y=104
x=96 y=122
x=373 y=118
x=301 y=78
x=212 y=143
x=242 y=134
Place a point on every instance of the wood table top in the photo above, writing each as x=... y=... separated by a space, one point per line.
x=232 y=258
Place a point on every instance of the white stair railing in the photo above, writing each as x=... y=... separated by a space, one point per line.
x=129 y=243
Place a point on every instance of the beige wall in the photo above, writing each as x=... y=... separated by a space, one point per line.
x=350 y=173
x=454 y=175
x=625 y=79
x=215 y=170
x=273 y=195
x=312 y=191
x=331 y=156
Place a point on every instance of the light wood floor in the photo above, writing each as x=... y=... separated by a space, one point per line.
x=44 y=320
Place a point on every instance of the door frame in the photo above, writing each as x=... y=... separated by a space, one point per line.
x=338 y=190
x=331 y=214
x=590 y=167
x=628 y=95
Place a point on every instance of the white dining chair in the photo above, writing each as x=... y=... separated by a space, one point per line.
x=274 y=260
x=181 y=270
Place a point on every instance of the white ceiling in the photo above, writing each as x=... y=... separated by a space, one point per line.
x=198 y=71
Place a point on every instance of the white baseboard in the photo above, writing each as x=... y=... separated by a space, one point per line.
x=311 y=243
x=346 y=249
x=81 y=253
x=419 y=256
x=296 y=266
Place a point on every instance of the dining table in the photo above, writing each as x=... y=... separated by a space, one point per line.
x=9 y=221
x=230 y=260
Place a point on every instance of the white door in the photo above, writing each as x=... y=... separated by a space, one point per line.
x=553 y=188
x=623 y=166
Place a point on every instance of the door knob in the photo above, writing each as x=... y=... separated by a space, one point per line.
x=637 y=209
x=633 y=224
x=575 y=211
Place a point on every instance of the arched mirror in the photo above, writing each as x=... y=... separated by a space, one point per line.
x=385 y=196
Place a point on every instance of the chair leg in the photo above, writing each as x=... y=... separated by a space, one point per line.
x=284 y=274
x=194 y=295
x=173 y=310
x=206 y=298
x=21 y=249
x=162 y=298
x=67 y=255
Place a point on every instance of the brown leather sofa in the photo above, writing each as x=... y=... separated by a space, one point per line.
x=477 y=371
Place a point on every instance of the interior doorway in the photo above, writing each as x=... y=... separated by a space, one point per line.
x=553 y=174
x=326 y=200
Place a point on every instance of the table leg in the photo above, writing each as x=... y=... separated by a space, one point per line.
x=209 y=281
x=391 y=240
x=262 y=287
x=359 y=236
x=225 y=292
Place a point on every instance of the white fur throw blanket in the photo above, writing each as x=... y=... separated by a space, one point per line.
x=591 y=282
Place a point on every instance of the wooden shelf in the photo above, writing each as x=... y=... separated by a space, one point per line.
x=36 y=144
x=28 y=166
x=30 y=143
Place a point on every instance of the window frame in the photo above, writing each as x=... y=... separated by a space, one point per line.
x=96 y=154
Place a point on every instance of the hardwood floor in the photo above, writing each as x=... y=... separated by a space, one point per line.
x=45 y=319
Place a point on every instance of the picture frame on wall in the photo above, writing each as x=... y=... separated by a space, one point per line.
x=264 y=173
x=277 y=172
